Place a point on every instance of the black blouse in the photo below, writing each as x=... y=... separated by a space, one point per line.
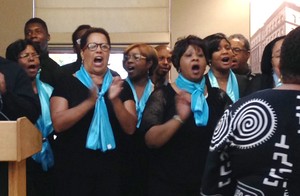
x=181 y=160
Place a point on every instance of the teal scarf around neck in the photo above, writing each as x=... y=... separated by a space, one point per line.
x=140 y=104
x=232 y=88
x=44 y=124
x=199 y=105
x=100 y=135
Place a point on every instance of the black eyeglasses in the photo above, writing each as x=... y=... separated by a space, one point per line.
x=93 y=46
x=136 y=57
x=238 y=50
x=27 y=55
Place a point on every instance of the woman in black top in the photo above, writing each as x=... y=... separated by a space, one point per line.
x=220 y=75
x=179 y=120
x=93 y=114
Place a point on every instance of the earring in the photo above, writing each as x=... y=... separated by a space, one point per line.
x=209 y=63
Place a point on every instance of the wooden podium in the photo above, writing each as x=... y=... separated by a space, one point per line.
x=19 y=140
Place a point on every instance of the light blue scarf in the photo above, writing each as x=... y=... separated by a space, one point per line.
x=277 y=81
x=232 y=88
x=100 y=135
x=199 y=105
x=44 y=124
x=140 y=104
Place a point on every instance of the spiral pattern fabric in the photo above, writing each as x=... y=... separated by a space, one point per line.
x=253 y=124
x=222 y=131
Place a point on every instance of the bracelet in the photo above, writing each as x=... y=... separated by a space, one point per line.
x=177 y=117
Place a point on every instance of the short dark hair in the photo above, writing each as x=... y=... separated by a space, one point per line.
x=91 y=30
x=77 y=30
x=290 y=58
x=163 y=46
x=14 y=49
x=212 y=43
x=242 y=38
x=181 y=46
x=36 y=20
x=266 y=64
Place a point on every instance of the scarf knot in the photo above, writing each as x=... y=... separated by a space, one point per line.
x=100 y=135
x=199 y=104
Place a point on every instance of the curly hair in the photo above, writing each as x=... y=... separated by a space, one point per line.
x=181 y=46
x=290 y=58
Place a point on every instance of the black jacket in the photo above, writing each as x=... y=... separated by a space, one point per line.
x=19 y=99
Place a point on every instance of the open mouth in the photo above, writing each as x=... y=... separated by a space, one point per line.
x=130 y=69
x=234 y=62
x=32 y=67
x=98 y=59
x=195 y=68
x=225 y=59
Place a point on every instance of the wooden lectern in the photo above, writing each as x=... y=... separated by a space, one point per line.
x=19 y=140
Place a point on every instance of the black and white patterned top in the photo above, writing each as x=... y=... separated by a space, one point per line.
x=255 y=148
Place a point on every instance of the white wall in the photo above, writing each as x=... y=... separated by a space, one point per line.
x=127 y=21
x=205 y=17
x=14 y=14
x=199 y=17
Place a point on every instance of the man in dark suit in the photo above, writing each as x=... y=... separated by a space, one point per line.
x=36 y=30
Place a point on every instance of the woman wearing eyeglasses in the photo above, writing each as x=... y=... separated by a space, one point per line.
x=270 y=75
x=39 y=166
x=220 y=75
x=178 y=122
x=139 y=61
x=92 y=112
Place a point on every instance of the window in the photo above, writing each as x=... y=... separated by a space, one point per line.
x=115 y=61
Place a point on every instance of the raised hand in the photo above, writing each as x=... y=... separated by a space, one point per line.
x=183 y=105
x=115 y=88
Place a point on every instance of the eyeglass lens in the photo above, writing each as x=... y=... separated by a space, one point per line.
x=136 y=57
x=27 y=55
x=93 y=46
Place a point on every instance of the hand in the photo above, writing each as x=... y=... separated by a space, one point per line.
x=115 y=88
x=2 y=84
x=183 y=105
